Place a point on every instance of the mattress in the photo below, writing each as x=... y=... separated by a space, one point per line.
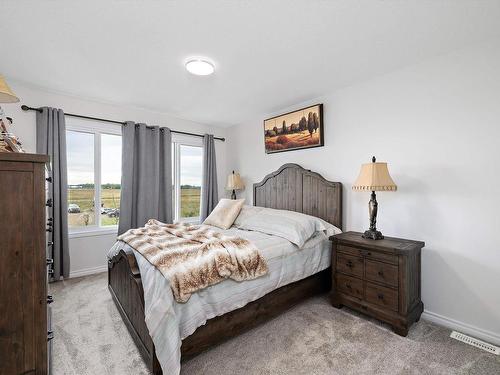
x=169 y=322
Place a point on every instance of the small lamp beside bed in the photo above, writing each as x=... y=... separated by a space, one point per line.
x=234 y=183
x=373 y=177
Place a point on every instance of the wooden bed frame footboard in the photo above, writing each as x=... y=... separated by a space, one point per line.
x=125 y=285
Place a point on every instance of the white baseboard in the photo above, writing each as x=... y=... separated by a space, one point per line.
x=88 y=271
x=488 y=336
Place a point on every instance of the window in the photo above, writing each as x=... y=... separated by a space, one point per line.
x=81 y=191
x=94 y=160
x=111 y=175
x=187 y=173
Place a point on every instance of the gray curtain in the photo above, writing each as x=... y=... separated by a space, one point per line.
x=51 y=140
x=209 y=191
x=146 y=189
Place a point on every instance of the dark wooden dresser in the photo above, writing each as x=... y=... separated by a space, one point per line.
x=380 y=278
x=23 y=264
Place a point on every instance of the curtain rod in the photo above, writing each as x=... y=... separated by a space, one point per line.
x=26 y=108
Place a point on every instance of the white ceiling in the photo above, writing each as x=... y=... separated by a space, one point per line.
x=268 y=54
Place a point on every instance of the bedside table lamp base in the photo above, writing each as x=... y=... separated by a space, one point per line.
x=373 y=233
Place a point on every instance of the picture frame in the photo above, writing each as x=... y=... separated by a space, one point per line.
x=296 y=130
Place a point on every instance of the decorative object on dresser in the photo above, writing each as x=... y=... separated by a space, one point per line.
x=299 y=129
x=24 y=329
x=374 y=176
x=8 y=141
x=378 y=278
x=234 y=183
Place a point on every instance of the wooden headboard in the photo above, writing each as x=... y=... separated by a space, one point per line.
x=294 y=188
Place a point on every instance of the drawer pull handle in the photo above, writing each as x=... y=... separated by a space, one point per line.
x=381 y=273
x=349 y=264
x=380 y=296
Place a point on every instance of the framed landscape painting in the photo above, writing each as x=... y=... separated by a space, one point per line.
x=295 y=130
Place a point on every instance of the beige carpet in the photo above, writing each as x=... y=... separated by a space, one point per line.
x=312 y=338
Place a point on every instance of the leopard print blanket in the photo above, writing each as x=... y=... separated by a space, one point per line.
x=193 y=257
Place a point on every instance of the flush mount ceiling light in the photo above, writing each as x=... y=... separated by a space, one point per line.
x=200 y=67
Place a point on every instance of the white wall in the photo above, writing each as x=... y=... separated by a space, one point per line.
x=88 y=254
x=437 y=124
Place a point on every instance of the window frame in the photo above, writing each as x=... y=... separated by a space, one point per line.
x=95 y=128
x=179 y=140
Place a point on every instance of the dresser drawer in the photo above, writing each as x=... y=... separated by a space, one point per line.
x=381 y=272
x=382 y=296
x=350 y=285
x=350 y=265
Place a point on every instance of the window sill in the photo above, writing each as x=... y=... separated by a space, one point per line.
x=78 y=233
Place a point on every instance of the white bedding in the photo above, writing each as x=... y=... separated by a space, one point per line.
x=169 y=322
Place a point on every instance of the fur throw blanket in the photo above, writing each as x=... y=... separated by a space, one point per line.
x=193 y=257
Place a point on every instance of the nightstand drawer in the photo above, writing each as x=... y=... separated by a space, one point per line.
x=350 y=265
x=349 y=250
x=370 y=254
x=380 y=256
x=381 y=272
x=350 y=285
x=382 y=296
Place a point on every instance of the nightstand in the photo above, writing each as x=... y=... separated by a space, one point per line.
x=380 y=278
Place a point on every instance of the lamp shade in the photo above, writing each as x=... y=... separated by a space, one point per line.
x=234 y=182
x=6 y=94
x=374 y=177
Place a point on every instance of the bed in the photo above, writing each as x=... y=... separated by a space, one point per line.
x=292 y=188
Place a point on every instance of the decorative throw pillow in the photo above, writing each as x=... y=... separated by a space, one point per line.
x=224 y=214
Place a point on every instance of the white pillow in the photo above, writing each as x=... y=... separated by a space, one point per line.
x=224 y=214
x=293 y=226
x=245 y=213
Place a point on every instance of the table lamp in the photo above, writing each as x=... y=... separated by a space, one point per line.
x=6 y=96
x=234 y=183
x=374 y=177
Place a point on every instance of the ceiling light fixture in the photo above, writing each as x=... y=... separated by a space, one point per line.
x=200 y=67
